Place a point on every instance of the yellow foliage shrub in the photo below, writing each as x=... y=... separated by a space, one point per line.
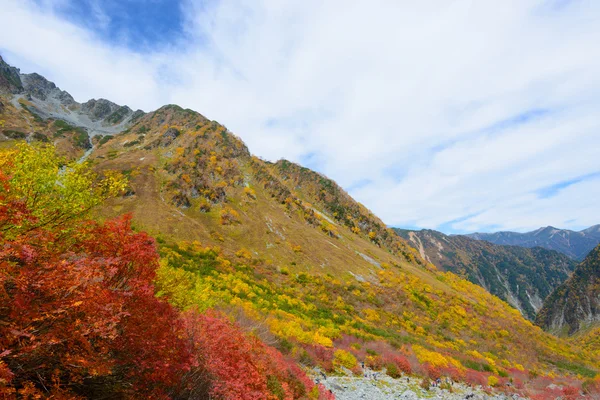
x=250 y=192
x=344 y=359
x=493 y=380
x=371 y=315
x=229 y=216
x=430 y=357
x=244 y=253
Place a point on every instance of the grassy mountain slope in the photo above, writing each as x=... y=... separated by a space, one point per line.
x=295 y=258
x=575 y=304
x=521 y=276
x=296 y=251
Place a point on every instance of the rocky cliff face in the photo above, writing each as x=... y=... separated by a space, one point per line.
x=521 y=276
x=574 y=244
x=47 y=101
x=576 y=303
x=10 y=81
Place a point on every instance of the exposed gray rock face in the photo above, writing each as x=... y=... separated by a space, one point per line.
x=575 y=304
x=40 y=88
x=98 y=117
x=10 y=81
x=99 y=109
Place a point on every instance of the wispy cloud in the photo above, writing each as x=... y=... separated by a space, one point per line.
x=457 y=115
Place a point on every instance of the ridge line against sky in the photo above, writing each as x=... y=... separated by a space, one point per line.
x=459 y=116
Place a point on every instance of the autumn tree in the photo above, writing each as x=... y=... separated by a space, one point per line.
x=78 y=311
x=52 y=190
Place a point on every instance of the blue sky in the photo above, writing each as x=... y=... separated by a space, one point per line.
x=140 y=25
x=460 y=115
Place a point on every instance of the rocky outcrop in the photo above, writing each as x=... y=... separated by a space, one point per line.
x=576 y=303
x=10 y=80
x=40 y=88
x=100 y=109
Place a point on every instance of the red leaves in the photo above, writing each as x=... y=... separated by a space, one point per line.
x=401 y=362
x=239 y=366
x=83 y=309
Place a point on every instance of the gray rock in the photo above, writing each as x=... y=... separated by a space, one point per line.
x=10 y=79
x=98 y=109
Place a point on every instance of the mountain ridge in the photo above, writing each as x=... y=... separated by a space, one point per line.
x=575 y=244
x=575 y=304
x=523 y=277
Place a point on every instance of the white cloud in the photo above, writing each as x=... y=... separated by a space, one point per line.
x=416 y=105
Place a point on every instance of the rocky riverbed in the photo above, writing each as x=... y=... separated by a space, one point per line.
x=378 y=386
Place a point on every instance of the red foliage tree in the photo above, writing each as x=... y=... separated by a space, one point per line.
x=79 y=313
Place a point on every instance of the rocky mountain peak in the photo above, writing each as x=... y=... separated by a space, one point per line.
x=45 y=99
x=37 y=86
x=100 y=109
x=10 y=80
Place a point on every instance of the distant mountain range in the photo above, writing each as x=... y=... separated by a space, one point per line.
x=521 y=276
x=576 y=245
x=575 y=304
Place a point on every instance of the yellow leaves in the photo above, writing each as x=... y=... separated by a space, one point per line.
x=54 y=190
x=329 y=228
x=248 y=191
x=420 y=331
x=475 y=354
x=371 y=315
x=342 y=358
x=519 y=367
x=372 y=235
x=493 y=380
x=319 y=338
x=186 y=178
x=229 y=216
x=355 y=229
x=296 y=248
x=244 y=253
x=431 y=357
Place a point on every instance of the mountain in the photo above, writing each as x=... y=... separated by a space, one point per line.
x=574 y=244
x=521 y=276
x=34 y=92
x=288 y=254
x=575 y=304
